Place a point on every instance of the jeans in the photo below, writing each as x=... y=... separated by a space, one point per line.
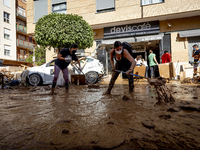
x=152 y=69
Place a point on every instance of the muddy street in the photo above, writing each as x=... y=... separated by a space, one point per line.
x=84 y=118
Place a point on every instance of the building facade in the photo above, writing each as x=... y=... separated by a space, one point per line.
x=7 y=30
x=24 y=42
x=160 y=25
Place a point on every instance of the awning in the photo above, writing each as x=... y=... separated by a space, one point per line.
x=135 y=39
x=150 y=37
x=189 y=33
x=111 y=41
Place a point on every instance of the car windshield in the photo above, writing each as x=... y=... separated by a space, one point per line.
x=52 y=63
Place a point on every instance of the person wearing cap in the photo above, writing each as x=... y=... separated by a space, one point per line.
x=196 y=55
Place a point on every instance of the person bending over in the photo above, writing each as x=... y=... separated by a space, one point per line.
x=64 y=58
x=124 y=62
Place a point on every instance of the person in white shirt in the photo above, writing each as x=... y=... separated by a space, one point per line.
x=144 y=63
x=138 y=60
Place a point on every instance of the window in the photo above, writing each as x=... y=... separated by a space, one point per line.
x=21 y=11
x=105 y=5
x=59 y=8
x=40 y=9
x=6 y=33
x=6 y=3
x=6 y=17
x=148 y=2
x=7 y=50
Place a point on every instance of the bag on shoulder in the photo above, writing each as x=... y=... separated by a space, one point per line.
x=128 y=47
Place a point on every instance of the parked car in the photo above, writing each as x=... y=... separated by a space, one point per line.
x=44 y=74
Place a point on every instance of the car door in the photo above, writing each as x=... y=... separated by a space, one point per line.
x=49 y=72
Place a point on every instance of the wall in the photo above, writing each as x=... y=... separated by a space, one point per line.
x=11 y=26
x=180 y=24
x=179 y=48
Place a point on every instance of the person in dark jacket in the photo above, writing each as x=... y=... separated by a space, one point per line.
x=64 y=58
x=124 y=62
x=196 y=55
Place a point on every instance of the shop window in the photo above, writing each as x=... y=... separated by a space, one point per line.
x=59 y=8
x=105 y=5
x=148 y=2
x=7 y=50
x=6 y=17
x=21 y=11
x=6 y=33
x=6 y=3
x=40 y=11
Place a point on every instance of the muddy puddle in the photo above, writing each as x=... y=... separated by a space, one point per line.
x=84 y=118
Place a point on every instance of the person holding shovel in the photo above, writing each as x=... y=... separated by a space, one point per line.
x=64 y=58
x=124 y=62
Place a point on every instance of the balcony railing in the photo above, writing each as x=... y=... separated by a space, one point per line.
x=21 y=13
x=24 y=44
x=21 y=28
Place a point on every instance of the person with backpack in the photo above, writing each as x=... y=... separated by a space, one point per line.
x=124 y=62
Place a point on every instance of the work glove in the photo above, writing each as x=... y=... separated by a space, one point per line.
x=129 y=71
x=68 y=59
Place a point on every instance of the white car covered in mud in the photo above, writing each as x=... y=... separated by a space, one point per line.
x=44 y=74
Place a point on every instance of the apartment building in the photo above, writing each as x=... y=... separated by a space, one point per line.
x=24 y=42
x=160 y=25
x=7 y=30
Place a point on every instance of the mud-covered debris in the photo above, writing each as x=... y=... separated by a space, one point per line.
x=148 y=124
x=65 y=131
x=63 y=121
x=34 y=88
x=175 y=109
x=190 y=108
x=195 y=97
x=165 y=116
x=93 y=142
x=187 y=80
x=125 y=98
x=198 y=86
x=93 y=86
x=110 y=122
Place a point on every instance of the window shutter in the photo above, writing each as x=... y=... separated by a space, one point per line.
x=7 y=47
x=40 y=9
x=7 y=31
x=6 y=3
x=58 y=1
x=104 y=5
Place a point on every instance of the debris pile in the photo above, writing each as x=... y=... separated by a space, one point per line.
x=187 y=80
x=196 y=79
x=164 y=95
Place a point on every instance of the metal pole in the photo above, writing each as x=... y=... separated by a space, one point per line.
x=107 y=63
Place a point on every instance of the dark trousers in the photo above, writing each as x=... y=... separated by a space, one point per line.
x=115 y=74
x=152 y=69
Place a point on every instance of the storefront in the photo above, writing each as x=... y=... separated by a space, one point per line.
x=142 y=36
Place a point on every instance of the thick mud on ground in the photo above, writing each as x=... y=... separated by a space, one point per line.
x=83 y=118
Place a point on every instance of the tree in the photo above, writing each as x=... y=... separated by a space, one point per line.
x=39 y=56
x=62 y=30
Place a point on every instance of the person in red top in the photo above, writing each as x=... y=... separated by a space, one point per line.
x=166 y=57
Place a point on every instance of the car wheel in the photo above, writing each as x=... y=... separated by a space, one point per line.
x=92 y=77
x=35 y=79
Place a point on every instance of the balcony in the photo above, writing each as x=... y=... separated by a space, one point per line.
x=21 y=29
x=22 y=57
x=25 y=44
x=21 y=14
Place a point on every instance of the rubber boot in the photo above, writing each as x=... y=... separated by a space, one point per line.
x=67 y=87
x=53 y=88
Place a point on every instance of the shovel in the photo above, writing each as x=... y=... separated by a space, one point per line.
x=78 y=79
x=131 y=74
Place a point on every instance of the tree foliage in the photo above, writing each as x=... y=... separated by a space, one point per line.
x=62 y=30
x=39 y=56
